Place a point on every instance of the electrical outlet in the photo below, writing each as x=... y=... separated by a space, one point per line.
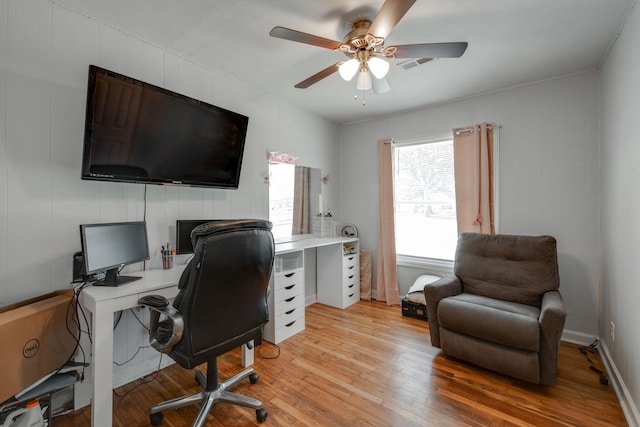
x=613 y=331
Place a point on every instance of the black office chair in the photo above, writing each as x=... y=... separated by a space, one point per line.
x=221 y=305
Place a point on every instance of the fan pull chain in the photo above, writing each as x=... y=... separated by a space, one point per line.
x=364 y=101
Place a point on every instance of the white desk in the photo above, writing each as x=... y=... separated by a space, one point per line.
x=104 y=301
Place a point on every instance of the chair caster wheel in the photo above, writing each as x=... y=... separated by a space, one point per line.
x=253 y=378
x=261 y=414
x=156 y=418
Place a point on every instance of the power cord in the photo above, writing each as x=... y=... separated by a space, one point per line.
x=272 y=356
x=591 y=348
x=140 y=347
x=152 y=377
x=73 y=325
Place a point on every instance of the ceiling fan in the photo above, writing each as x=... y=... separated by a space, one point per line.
x=364 y=45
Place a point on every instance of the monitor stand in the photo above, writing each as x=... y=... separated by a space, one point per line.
x=112 y=278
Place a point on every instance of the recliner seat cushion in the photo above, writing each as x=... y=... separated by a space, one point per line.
x=502 y=322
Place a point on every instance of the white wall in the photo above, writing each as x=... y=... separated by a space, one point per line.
x=45 y=51
x=548 y=166
x=620 y=207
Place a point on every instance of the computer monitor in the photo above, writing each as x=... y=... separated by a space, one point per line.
x=109 y=247
x=183 y=234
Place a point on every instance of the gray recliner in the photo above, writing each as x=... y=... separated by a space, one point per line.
x=501 y=308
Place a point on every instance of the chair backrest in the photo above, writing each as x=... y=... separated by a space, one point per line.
x=223 y=291
x=507 y=267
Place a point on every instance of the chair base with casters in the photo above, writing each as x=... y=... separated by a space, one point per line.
x=212 y=392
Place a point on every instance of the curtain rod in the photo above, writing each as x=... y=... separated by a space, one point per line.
x=490 y=127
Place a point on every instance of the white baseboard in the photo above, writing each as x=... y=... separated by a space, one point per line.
x=622 y=393
x=624 y=397
x=310 y=299
x=578 y=337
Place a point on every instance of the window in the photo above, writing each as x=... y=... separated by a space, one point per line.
x=425 y=199
x=281 y=184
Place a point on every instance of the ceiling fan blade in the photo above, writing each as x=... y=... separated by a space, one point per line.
x=319 y=76
x=431 y=50
x=298 y=36
x=388 y=17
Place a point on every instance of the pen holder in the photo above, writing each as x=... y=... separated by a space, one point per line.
x=167 y=260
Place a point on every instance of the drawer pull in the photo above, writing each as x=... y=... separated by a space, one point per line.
x=351 y=268
x=351 y=295
x=289 y=287
x=290 y=299
x=350 y=258
x=290 y=311
x=289 y=324
x=351 y=277
x=351 y=285
x=290 y=274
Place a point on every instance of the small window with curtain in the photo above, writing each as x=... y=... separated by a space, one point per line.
x=425 y=198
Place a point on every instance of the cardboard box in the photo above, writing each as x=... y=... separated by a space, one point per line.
x=35 y=340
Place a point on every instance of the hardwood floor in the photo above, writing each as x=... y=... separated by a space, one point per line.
x=369 y=365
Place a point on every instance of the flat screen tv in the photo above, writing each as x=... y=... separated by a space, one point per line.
x=138 y=132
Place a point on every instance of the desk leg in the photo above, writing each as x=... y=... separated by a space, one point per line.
x=102 y=372
x=247 y=355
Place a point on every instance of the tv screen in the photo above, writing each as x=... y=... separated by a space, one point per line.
x=108 y=247
x=138 y=132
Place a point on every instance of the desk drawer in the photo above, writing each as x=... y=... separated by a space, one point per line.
x=349 y=270
x=288 y=329
x=352 y=274
x=350 y=260
x=351 y=298
x=288 y=279
x=352 y=286
x=289 y=317
x=288 y=304
x=288 y=292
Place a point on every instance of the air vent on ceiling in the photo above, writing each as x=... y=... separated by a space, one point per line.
x=414 y=62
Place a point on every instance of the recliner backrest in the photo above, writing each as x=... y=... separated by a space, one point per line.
x=507 y=267
x=223 y=291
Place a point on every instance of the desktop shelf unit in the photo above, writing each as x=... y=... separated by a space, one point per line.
x=339 y=275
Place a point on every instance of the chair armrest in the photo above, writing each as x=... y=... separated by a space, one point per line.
x=163 y=335
x=433 y=294
x=552 y=318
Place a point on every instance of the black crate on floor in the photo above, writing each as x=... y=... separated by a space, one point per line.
x=412 y=309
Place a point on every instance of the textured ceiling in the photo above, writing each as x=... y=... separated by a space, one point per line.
x=511 y=42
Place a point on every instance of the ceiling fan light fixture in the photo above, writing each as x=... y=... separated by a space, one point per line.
x=379 y=67
x=380 y=86
x=348 y=69
x=364 y=80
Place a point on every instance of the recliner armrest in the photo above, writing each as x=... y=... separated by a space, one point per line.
x=552 y=318
x=163 y=335
x=552 y=312
x=433 y=293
